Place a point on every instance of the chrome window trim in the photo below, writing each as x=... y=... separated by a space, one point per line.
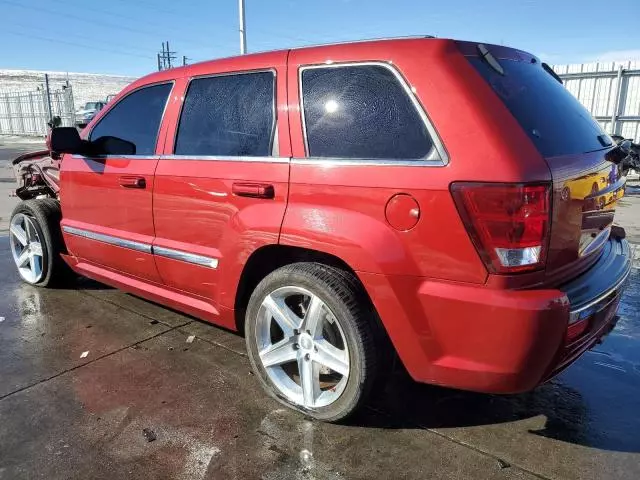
x=164 y=111
x=274 y=110
x=100 y=237
x=220 y=158
x=350 y=162
x=124 y=157
x=185 y=257
x=437 y=156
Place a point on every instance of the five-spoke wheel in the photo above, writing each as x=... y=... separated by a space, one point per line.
x=302 y=347
x=26 y=247
x=36 y=242
x=309 y=337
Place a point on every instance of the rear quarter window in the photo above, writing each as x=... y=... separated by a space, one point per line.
x=555 y=121
x=361 y=112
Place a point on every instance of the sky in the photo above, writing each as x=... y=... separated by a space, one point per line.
x=123 y=36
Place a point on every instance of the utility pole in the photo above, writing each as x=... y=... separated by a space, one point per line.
x=169 y=57
x=184 y=60
x=243 y=35
x=165 y=58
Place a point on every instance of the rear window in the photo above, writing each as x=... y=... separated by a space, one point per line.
x=555 y=120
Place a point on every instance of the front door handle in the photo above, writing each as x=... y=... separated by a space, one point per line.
x=132 y=182
x=253 y=190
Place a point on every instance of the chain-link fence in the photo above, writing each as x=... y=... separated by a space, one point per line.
x=27 y=113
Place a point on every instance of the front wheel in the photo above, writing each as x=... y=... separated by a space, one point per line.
x=36 y=242
x=310 y=341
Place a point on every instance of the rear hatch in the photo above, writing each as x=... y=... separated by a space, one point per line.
x=586 y=186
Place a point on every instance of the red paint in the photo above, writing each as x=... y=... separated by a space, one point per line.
x=402 y=212
x=452 y=322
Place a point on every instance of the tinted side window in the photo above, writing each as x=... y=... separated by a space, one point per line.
x=228 y=115
x=361 y=111
x=136 y=118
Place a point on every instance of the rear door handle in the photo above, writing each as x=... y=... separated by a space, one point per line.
x=132 y=182
x=253 y=190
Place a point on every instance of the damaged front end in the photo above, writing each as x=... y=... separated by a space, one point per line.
x=37 y=175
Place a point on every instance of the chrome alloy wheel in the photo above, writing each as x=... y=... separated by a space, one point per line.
x=26 y=248
x=302 y=347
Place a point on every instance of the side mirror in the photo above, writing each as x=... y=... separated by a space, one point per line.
x=66 y=140
x=109 y=145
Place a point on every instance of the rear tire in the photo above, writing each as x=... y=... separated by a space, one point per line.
x=36 y=243
x=319 y=324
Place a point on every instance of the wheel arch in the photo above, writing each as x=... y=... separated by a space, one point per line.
x=268 y=258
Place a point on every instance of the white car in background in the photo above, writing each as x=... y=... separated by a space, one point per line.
x=87 y=112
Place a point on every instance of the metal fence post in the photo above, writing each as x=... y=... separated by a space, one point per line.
x=48 y=93
x=616 y=100
x=19 y=112
x=7 y=100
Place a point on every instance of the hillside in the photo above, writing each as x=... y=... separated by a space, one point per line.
x=86 y=86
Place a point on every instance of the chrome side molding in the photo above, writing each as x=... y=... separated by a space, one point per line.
x=145 y=247
x=186 y=257
x=100 y=237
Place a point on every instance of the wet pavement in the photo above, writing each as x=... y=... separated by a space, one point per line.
x=144 y=403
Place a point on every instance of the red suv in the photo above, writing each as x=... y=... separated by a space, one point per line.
x=448 y=199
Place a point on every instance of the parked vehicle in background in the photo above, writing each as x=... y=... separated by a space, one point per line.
x=630 y=162
x=87 y=112
x=326 y=202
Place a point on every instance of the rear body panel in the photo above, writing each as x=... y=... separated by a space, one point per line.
x=585 y=185
x=339 y=206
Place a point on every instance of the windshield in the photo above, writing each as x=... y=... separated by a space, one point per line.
x=554 y=120
x=91 y=106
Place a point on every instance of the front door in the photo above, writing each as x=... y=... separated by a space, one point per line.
x=106 y=196
x=221 y=189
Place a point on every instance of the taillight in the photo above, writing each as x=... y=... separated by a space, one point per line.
x=508 y=223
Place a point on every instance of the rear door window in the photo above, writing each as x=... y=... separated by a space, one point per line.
x=554 y=120
x=136 y=118
x=228 y=115
x=361 y=112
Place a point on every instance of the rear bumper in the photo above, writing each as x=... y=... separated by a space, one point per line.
x=500 y=341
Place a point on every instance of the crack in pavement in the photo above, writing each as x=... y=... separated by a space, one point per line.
x=465 y=444
x=44 y=380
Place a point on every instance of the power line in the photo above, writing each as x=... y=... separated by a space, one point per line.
x=73 y=44
x=93 y=21
x=198 y=40
x=84 y=38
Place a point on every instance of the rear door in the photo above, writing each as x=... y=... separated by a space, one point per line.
x=221 y=187
x=106 y=199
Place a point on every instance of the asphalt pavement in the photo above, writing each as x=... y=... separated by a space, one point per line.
x=98 y=384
